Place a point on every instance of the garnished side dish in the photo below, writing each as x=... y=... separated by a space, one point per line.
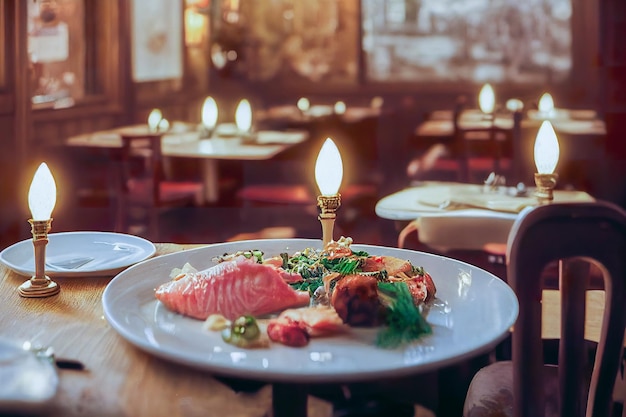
x=291 y=298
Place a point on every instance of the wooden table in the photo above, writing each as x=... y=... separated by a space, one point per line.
x=122 y=380
x=188 y=144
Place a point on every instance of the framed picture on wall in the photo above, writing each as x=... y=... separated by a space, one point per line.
x=157 y=40
x=520 y=42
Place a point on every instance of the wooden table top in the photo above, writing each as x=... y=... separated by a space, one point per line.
x=441 y=126
x=120 y=379
x=188 y=143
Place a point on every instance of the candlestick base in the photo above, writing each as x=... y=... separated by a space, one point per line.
x=545 y=186
x=39 y=285
x=39 y=288
x=328 y=207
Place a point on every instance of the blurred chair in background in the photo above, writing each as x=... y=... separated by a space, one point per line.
x=144 y=193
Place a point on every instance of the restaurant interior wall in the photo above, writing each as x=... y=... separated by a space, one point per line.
x=118 y=99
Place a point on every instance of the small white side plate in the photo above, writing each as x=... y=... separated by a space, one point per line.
x=80 y=254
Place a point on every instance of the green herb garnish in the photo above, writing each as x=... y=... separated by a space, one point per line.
x=309 y=284
x=404 y=320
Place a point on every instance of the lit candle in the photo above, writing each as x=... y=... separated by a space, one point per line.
x=487 y=99
x=546 y=149
x=164 y=125
x=546 y=158
x=514 y=104
x=546 y=106
x=154 y=118
x=377 y=102
x=42 y=194
x=243 y=117
x=303 y=104
x=209 y=114
x=329 y=169
x=340 y=107
x=328 y=175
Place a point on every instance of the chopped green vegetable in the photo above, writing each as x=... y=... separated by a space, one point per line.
x=242 y=332
x=404 y=320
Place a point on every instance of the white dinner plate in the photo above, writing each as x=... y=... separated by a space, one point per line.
x=473 y=312
x=80 y=254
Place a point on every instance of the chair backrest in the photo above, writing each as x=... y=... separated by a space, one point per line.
x=570 y=233
x=142 y=160
x=486 y=139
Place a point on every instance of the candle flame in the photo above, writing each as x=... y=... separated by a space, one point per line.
x=164 y=125
x=154 y=119
x=546 y=103
x=42 y=195
x=303 y=104
x=487 y=99
x=340 y=107
x=514 y=104
x=243 y=116
x=546 y=149
x=209 y=113
x=329 y=168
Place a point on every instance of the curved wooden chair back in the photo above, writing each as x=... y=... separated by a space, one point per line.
x=593 y=232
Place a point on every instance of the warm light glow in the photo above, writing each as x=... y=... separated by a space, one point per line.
x=546 y=149
x=329 y=169
x=164 y=125
x=303 y=104
x=514 y=104
x=42 y=195
x=487 y=99
x=243 y=116
x=546 y=104
x=340 y=107
x=195 y=27
x=209 y=113
x=377 y=102
x=154 y=119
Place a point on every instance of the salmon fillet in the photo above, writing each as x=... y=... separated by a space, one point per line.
x=232 y=289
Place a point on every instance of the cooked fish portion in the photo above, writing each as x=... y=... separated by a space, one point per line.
x=232 y=288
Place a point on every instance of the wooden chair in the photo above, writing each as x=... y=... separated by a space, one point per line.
x=143 y=186
x=574 y=234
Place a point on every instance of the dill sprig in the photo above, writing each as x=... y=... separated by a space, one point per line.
x=404 y=320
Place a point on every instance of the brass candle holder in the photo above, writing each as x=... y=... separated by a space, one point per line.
x=328 y=206
x=546 y=159
x=545 y=187
x=39 y=285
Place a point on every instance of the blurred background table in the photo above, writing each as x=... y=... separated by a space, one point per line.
x=183 y=143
